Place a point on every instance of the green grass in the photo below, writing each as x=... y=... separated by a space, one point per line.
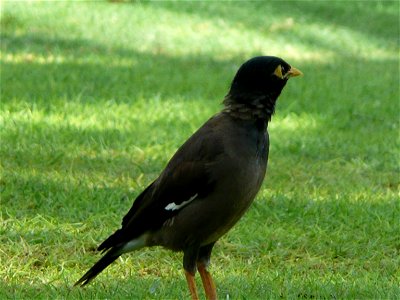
x=96 y=97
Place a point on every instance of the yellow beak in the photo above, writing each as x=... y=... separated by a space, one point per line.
x=293 y=72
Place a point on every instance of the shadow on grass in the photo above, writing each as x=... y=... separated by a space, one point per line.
x=379 y=20
x=96 y=72
x=92 y=72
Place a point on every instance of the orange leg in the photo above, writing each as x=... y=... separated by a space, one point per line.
x=208 y=283
x=192 y=285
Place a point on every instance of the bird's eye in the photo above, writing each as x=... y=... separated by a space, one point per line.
x=278 y=72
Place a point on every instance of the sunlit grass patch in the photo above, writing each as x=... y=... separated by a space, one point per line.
x=158 y=30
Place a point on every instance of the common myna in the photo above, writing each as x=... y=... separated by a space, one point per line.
x=210 y=181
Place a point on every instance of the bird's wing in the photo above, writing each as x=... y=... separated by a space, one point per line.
x=186 y=178
x=174 y=189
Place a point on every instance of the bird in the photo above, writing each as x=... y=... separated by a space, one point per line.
x=211 y=180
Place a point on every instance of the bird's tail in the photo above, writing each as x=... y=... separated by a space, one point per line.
x=112 y=254
x=103 y=263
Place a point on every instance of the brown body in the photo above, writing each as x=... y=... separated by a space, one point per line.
x=211 y=180
x=206 y=220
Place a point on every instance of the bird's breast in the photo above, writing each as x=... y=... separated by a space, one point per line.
x=248 y=162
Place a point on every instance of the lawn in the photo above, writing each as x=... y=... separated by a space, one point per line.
x=96 y=97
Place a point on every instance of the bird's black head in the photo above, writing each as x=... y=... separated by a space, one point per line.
x=262 y=77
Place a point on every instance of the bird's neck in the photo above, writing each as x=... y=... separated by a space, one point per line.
x=256 y=107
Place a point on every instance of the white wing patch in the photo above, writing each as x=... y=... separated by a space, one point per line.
x=172 y=206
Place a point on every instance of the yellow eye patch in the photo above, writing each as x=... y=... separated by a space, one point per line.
x=278 y=72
